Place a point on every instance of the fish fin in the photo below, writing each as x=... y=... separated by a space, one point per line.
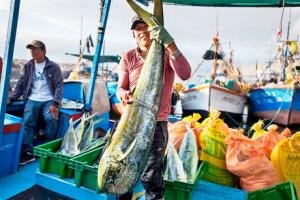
x=146 y=16
x=119 y=155
x=158 y=11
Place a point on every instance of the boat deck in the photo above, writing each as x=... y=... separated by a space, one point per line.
x=29 y=175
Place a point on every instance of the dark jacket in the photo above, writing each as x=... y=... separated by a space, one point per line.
x=53 y=77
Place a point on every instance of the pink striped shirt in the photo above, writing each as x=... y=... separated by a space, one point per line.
x=130 y=68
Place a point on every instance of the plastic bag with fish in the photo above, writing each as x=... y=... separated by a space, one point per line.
x=174 y=170
x=79 y=130
x=188 y=153
x=69 y=145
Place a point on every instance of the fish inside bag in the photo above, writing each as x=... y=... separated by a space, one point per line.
x=188 y=153
x=174 y=170
x=247 y=159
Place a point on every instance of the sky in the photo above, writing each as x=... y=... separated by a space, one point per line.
x=250 y=31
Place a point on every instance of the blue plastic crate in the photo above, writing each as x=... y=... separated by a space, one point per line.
x=74 y=90
x=212 y=191
x=10 y=146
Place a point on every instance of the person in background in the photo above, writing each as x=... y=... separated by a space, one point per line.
x=129 y=70
x=41 y=85
x=1 y=64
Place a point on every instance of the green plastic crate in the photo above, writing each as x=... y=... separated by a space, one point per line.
x=86 y=175
x=52 y=162
x=283 y=191
x=179 y=190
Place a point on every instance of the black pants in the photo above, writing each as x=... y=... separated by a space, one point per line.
x=152 y=177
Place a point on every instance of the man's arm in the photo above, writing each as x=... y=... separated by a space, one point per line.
x=58 y=83
x=18 y=90
x=123 y=92
x=177 y=61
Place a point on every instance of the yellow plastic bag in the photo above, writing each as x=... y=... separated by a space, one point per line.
x=286 y=158
x=257 y=127
x=213 y=155
x=197 y=128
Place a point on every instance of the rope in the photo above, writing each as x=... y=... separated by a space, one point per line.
x=277 y=112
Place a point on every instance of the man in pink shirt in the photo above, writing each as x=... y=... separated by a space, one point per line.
x=129 y=70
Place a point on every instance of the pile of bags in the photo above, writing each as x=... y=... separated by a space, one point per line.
x=230 y=158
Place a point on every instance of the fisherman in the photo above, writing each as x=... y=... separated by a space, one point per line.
x=129 y=70
x=41 y=86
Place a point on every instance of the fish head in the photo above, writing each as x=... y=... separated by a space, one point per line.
x=114 y=177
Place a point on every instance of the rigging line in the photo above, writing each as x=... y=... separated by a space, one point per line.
x=281 y=21
x=217 y=21
x=197 y=68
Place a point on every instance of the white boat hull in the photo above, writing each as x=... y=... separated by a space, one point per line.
x=212 y=97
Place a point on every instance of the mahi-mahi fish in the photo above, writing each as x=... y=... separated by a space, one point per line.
x=125 y=158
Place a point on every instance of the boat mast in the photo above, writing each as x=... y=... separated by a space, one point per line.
x=104 y=7
x=80 y=41
x=8 y=58
x=216 y=45
x=286 y=50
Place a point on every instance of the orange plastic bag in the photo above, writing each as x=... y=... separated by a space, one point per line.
x=286 y=133
x=246 y=159
x=192 y=120
x=176 y=133
x=178 y=129
x=270 y=139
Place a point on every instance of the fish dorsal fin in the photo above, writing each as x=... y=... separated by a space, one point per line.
x=120 y=155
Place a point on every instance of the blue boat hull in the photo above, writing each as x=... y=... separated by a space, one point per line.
x=278 y=104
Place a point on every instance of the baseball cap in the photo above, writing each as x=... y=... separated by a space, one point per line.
x=37 y=44
x=135 y=20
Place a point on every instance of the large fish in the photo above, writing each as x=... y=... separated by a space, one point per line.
x=124 y=160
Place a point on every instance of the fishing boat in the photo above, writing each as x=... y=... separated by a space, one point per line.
x=277 y=96
x=220 y=93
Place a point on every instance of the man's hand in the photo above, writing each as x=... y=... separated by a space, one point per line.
x=160 y=34
x=54 y=111
x=9 y=101
x=127 y=98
